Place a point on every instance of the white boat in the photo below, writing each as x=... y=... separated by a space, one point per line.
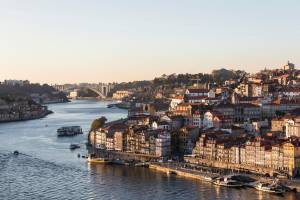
x=171 y=172
x=208 y=179
x=265 y=187
x=227 y=182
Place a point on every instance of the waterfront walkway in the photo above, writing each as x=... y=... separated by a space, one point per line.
x=180 y=170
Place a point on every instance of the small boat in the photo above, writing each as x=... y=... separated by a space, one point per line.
x=74 y=146
x=92 y=160
x=209 y=178
x=170 y=172
x=227 y=182
x=113 y=105
x=265 y=187
x=141 y=164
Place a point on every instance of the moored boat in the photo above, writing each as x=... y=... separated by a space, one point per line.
x=171 y=172
x=92 y=160
x=265 y=187
x=209 y=178
x=227 y=182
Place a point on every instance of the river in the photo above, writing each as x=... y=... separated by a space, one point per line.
x=47 y=169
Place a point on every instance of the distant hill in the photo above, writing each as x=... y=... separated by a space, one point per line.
x=44 y=92
x=26 y=89
x=169 y=82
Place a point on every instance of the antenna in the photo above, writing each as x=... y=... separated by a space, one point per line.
x=196 y=79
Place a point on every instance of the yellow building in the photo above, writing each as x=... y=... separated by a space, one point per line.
x=291 y=159
x=118 y=95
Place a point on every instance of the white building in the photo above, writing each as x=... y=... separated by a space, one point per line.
x=208 y=121
x=292 y=128
x=197 y=121
x=118 y=95
x=163 y=144
x=73 y=94
x=175 y=102
x=98 y=139
x=291 y=92
x=194 y=92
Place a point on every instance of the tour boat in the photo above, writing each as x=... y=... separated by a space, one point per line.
x=69 y=131
x=227 y=182
x=265 y=187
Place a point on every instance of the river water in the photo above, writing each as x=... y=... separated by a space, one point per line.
x=47 y=169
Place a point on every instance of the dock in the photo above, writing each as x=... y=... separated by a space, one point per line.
x=186 y=173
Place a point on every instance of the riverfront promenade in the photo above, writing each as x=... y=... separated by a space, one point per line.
x=181 y=171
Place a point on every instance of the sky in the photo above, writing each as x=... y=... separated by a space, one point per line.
x=72 y=41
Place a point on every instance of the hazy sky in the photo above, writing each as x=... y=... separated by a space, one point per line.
x=59 y=41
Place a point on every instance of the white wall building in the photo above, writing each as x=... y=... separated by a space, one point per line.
x=175 y=102
x=292 y=128
x=163 y=144
x=208 y=120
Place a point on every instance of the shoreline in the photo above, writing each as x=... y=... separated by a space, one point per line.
x=198 y=175
x=43 y=115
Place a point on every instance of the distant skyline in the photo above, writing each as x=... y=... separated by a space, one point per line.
x=73 y=41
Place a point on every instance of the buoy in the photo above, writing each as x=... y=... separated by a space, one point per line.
x=16 y=153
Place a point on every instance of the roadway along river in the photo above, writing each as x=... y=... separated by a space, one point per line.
x=47 y=169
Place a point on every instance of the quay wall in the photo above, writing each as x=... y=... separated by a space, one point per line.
x=294 y=185
x=178 y=172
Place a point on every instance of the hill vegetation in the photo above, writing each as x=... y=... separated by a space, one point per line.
x=166 y=82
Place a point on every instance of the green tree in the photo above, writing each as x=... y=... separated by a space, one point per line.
x=98 y=123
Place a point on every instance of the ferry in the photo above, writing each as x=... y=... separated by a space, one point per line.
x=270 y=188
x=227 y=182
x=69 y=131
